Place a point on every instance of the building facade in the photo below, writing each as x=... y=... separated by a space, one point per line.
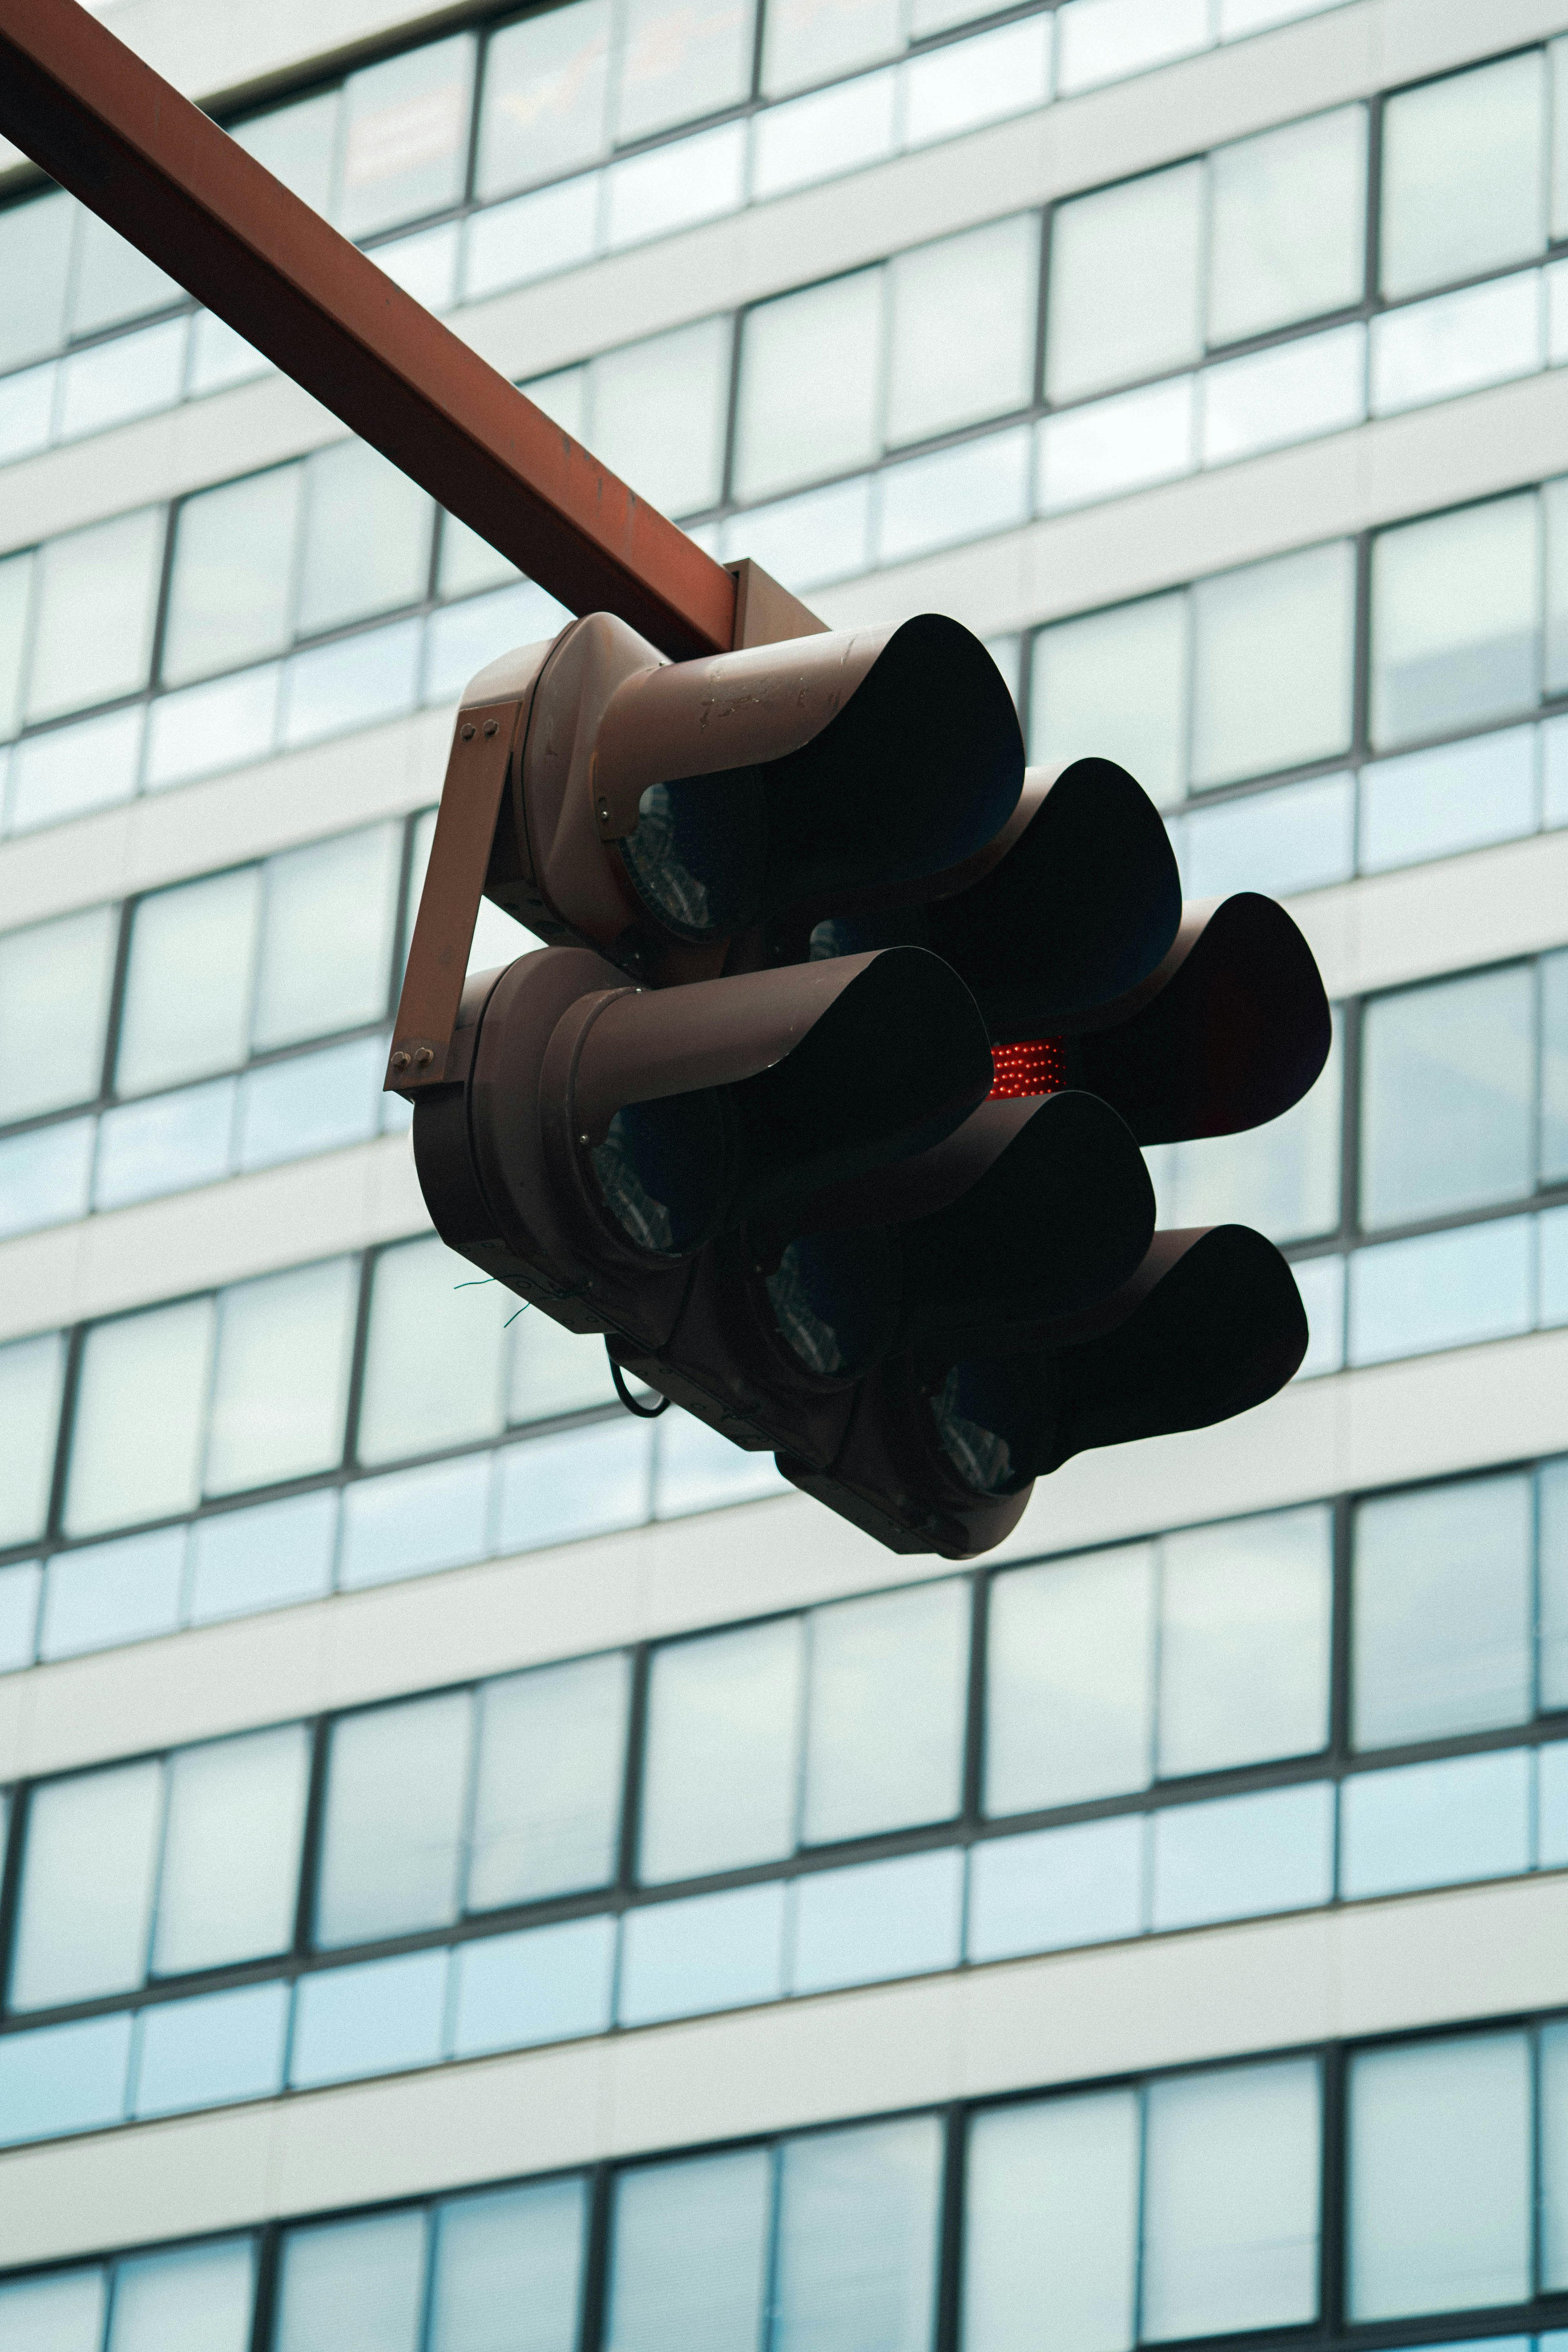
x=483 y=1873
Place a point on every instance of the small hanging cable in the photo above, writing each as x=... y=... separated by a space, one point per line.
x=642 y=1412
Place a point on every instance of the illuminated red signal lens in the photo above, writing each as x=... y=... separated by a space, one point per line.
x=1038 y=1066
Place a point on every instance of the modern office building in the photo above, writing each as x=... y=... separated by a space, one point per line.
x=484 y=1874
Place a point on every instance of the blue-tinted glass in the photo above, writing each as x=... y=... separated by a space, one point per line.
x=19 y=1589
x=1435 y=1824
x=1441 y=1291
x=544 y=1984
x=688 y=2256
x=197 y=2299
x=44 y=1176
x=353 y=2287
x=312 y=1102
x=878 y=1920
x=59 y=2314
x=1447 y=1096
x=857 y=2239
x=1056 y=1887
x=461 y=640
x=1239 y=1857
x=714 y=1951
x=375 y=2019
x=1442 y=1601
x=1552 y=1806
x=353 y=682
x=1320 y=1282
x=1231 y=2165
x=262 y=1558
x=63 y=2078
x=163 y=1145
x=584 y=1482
x=1296 y=838
x=508 y=2270
x=1552 y=1253
x=1051 y=2223
x=110 y=1593
x=1431 y=803
x=954 y=495
x=415 y=1520
x=207 y=2052
x=697 y=1469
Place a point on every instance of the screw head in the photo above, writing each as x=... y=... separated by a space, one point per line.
x=491 y=725
x=467 y=733
x=602 y=811
x=423 y=1055
x=400 y=1060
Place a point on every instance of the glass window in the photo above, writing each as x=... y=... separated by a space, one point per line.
x=1455 y=633
x=35 y=252
x=721 y=1765
x=961 y=328
x=508 y=2270
x=1440 y=2190
x=434 y=1357
x=546 y=82
x=405 y=145
x=297 y=144
x=62 y=2314
x=1441 y=1625
x=818 y=40
x=1554 y=504
x=55 y=983
x=688 y=2254
x=86 y=1897
x=1124 y=283
x=1274 y=664
x=96 y=597
x=32 y=1373
x=885 y=1743
x=393 y=1835
x=326 y=936
x=16 y=581
x=554 y=1370
x=1287 y=224
x=1230 y=2201
x=1244 y=1641
x=809 y=396
x=112 y=280
x=1283 y=1179
x=680 y=61
x=1050 y=2225
x=356 y=2286
x=660 y=411
x=552 y=1762
x=197 y=2300
x=188 y=983
x=233 y=574
x=230 y=1873
x=1448 y=1094
x=1464 y=177
x=1068 y=1680
x=281 y=1386
x=1553 y=1544
x=367 y=536
x=1553 y=2143
x=136 y=1436
x=1114 y=686
x=856 y=2260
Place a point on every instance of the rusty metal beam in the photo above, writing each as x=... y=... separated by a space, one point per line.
x=129 y=146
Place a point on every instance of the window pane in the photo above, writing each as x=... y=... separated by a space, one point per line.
x=85 y=1896
x=188 y=983
x=1553 y=2139
x=35 y=248
x=679 y=61
x=545 y=88
x=857 y=2239
x=660 y=413
x=405 y=148
x=689 y=2255
x=554 y=1370
x=392 y=1839
x=1283 y=1179
x=32 y=1372
x=1463 y=174
x=1440 y=2177
x=54 y=980
x=1456 y=634
x=1114 y=686
x=63 y=2314
x=16 y=582
x=720 y=1770
x=1287 y=224
x=198 y=2300
x=326 y=936
x=1553 y=1163
x=95 y=598
x=1124 y=283
x=356 y=2287
x=297 y=143
x=1230 y=2201
x=508 y=2269
x=434 y=1356
x=552 y=1762
x=1441 y=1626
x=230 y=1875
x=232 y=576
x=1553 y=1579
x=367 y=538
x=961 y=328
x=281 y=1387
x=1447 y=1096
x=806 y=40
x=1274 y=664
x=885 y=1741
x=140 y=1408
x=1069 y=1681
x=1244 y=1641
x=809 y=401
x=1051 y=2225
x=113 y=280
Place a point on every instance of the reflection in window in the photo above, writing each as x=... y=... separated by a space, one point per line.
x=280 y=1385
x=136 y=1435
x=546 y=87
x=1442 y=1602
x=95 y=597
x=1051 y=2223
x=55 y=983
x=32 y=1375
x=434 y=1357
x=232 y=574
x=885 y=1712
x=1464 y=175
x=367 y=534
x=1287 y=224
x=719 y=1785
x=546 y=1800
x=188 y=981
x=1455 y=626
x=680 y=61
x=405 y=146
x=508 y=2270
x=230 y=1869
x=656 y=412
x=688 y=2254
x=393 y=1832
x=1115 y=686
x=1124 y=283
x=961 y=328
x=195 y=2300
x=808 y=397
x=1274 y=673
x=855 y=2264
x=1230 y=2200
x=1447 y=1096
x=353 y=2286
x=816 y=40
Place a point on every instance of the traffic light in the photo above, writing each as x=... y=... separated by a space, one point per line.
x=824 y=1104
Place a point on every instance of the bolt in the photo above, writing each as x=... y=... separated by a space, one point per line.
x=603 y=811
x=423 y=1055
x=491 y=725
x=400 y=1060
x=468 y=734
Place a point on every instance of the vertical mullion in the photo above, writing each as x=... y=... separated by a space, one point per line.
x=972 y=1799
x=349 y=1451
x=10 y=1882
x=312 y=1843
x=1371 y=293
x=70 y=1387
x=1353 y=1015
x=1047 y=223
x=1340 y=1657
x=268 y=2256
x=115 y=1012
x=732 y=403
x=595 y=2261
x=1333 y=2176
x=1140 y=2203
x=165 y=589
x=950 y=2236
x=632 y=1784
x=765 y=2332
